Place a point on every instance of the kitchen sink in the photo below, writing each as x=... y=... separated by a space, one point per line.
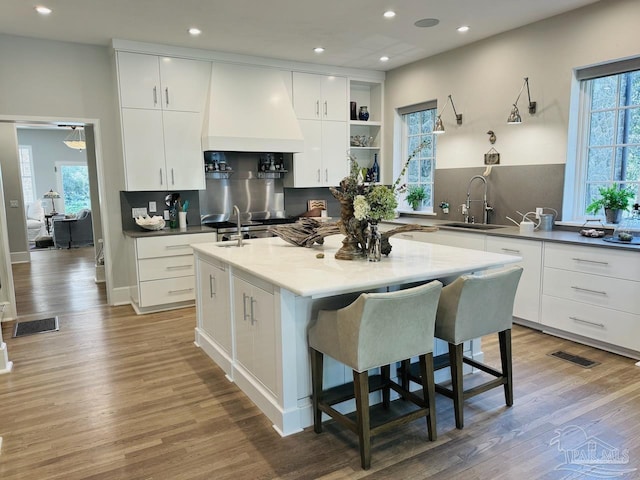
x=473 y=226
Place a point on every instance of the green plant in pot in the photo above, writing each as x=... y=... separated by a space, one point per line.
x=613 y=200
x=415 y=195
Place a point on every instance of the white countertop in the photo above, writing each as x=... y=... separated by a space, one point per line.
x=298 y=270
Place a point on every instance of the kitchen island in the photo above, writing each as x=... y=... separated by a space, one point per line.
x=254 y=304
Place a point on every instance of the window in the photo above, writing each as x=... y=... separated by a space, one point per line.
x=26 y=173
x=417 y=126
x=609 y=150
x=73 y=181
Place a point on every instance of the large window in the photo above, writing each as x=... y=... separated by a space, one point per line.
x=417 y=126
x=609 y=150
x=26 y=173
x=73 y=181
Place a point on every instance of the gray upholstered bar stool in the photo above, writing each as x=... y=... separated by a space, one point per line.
x=471 y=307
x=376 y=330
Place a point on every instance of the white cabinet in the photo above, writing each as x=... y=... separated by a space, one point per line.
x=213 y=311
x=469 y=240
x=164 y=271
x=527 y=301
x=369 y=94
x=254 y=319
x=592 y=292
x=319 y=97
x=162 y=102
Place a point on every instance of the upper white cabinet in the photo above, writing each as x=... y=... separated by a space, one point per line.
x=162 y=102
x=152 y=82
x=319 y=97
x=366 y=135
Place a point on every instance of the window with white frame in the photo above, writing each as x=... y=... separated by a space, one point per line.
x=27 y=174
x=608 y=151
x=417 y=126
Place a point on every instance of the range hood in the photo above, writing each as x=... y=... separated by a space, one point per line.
x=250 y=111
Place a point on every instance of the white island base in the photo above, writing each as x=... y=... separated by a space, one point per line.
x=254 y=304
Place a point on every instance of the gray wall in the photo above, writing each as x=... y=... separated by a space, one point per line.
x=11 y=180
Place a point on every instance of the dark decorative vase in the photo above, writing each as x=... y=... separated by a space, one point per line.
x=354 y=111
x=364 y=114
x=374 y=243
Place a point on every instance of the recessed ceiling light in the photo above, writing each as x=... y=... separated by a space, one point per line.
x=42 y=10
x=427 y=22
x=194 y=31
x=384 y=58
x=389 y=14
x=463 y=28
x=318 y=49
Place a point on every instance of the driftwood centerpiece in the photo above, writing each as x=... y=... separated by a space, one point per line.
x=307 y=232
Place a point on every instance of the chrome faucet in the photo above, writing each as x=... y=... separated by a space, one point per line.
x=236 y=210
x=485 y=208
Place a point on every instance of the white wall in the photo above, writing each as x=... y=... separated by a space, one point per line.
x=484 y=79
x=69 y=81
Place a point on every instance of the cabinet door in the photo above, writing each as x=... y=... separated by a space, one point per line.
x=306 y=95
x=185 y=84
x=307 y=168
x=261 y=312
x=142 y=138
x=183 y=152
x=242 y=323
x=334 y=98
x=139 y=80
x=334 y=153
x=215 y=312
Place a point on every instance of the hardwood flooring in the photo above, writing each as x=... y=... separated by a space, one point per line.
x=57 y=281
x=114 y=395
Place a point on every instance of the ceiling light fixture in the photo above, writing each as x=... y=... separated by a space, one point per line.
x=318 y=49
x=427 y=22
x=514 y=116
x=384 y=58
x=194 y=31
x=463 y=28
x=42 y=10
x=389 y=14
x=75 y=139
x=439 y=127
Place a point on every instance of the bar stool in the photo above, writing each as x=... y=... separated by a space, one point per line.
x=377 y=329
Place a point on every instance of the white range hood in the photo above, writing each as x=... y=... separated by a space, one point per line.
x=250 y=111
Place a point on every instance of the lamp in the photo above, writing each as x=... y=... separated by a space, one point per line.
x=51 y=194
x=75 y=139
x=514 y=116
x=439 y=127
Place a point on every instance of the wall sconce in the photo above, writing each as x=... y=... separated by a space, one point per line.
x=75 y=139
x=439 y=127
x=514 y=116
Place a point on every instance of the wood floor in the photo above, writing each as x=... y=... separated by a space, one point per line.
x=57 y=281
x=114 y=395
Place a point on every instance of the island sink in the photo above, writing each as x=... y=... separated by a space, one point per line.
x=473 y=226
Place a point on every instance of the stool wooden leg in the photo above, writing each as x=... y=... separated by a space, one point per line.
x=507 y=364
x=316 y=388
x=386 y=391
x=361 y=390
x=429 y=393
x=455 y=358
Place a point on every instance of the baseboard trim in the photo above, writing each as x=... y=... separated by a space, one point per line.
x=20 y=257
x=120 y=296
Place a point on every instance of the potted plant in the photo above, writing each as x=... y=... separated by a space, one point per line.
x=614 y=200
x=415 y=195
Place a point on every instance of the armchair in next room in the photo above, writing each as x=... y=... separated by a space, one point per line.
x=73 y=232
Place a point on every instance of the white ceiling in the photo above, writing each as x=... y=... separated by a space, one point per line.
x=353 y=32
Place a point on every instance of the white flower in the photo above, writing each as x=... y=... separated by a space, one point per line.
x=361 y=207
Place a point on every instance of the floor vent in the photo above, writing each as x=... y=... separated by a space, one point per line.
x=36 y=326
x=575 y=359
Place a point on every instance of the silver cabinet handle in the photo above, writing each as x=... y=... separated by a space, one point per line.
x=166 y=95
x=253 y=318
x=161 y=179
x=326 y=174
x=178 y=267
x=155 y=96
x=212 y=284
x=510 y=250
x=173 y=247
x=580 y=320
x=589 y=261
x=326 y=110
x=318 y=175
x=317 y=108
x=587 y=290
x=244 y=306
x=173 y=180
x=182 y=290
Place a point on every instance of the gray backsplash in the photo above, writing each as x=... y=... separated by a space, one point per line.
x=510 y=188
x=129 y=200
x=295 y=200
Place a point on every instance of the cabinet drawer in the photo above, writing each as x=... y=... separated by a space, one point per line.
x=614 y=327
x=168 y=246
x=167 y=267
x=593 y=289
x=609 y=262
x=169 y=290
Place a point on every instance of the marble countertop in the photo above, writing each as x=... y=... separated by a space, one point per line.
x=300 y=271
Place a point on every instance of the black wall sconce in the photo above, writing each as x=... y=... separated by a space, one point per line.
x=514 y=116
